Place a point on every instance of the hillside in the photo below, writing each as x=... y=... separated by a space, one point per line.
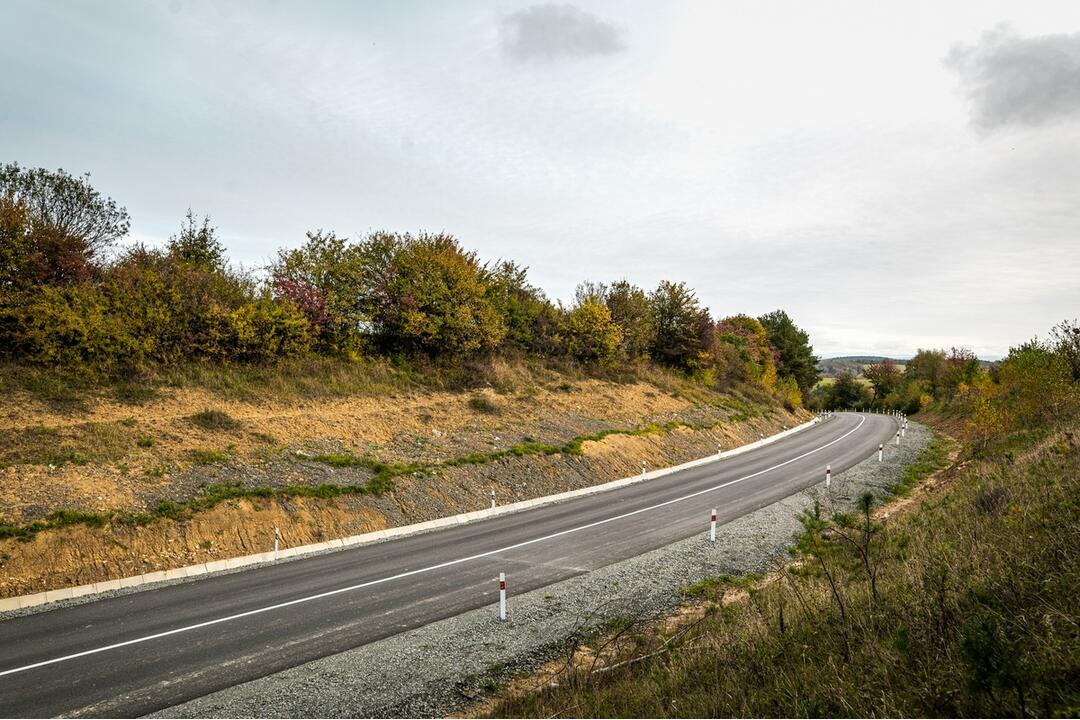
x=102 y=488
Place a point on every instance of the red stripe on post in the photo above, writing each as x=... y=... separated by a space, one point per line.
x=502 y=584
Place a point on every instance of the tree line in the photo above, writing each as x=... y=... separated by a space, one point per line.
x=947 y=374
x=72 y=295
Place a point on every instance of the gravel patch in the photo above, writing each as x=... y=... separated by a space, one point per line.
x=446 y=666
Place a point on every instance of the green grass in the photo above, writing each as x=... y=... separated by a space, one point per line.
x=933 y=458
x=208 y=497
x=206 y=456
x=574 y=447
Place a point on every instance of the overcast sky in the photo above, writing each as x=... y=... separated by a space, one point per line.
x=894 y=175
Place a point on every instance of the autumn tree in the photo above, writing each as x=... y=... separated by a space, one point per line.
x=58 y=202
x=885 y=376
x=755 y=354
x=1065 y=339
x=530 y=319
x=324 y=278
x=427 y=295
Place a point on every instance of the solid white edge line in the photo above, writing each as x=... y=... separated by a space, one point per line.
x=430 y=568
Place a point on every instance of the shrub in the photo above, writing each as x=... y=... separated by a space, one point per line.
x=590 y=333
x=214 y=420
x=483 y=404
x=264 y=329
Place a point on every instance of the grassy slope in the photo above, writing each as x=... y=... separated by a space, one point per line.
x=975 y=613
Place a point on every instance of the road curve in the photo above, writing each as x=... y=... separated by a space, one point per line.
x=133 y=654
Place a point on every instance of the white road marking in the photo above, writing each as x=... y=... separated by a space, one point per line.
x=430 y=568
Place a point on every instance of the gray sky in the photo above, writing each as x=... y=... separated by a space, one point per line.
x=894 y=175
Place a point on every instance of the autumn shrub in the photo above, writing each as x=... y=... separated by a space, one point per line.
x=591 y=335
x=265 y=329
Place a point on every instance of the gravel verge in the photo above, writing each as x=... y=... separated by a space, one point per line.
x=446 y=666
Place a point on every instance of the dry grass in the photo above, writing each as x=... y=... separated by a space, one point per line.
x=963 y=605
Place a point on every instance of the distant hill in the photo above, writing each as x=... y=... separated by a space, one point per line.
x=853 y=364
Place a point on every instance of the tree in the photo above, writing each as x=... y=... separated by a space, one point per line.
x=68 y=206
x=528 y=316
x=590 y=333
x=885 y=377
x=683 y=328
x=197 y=245
x=961 y=367
x=325 y=278
x=34 y=254
x=633 y=313
x=1065 y=339
x=756 y=357
x=847 y=392
x=796 y=357
x=428 y=296
x=928 y=365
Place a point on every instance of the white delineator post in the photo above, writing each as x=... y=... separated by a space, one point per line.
x=719 y=449
x=492 y=497
x=880 y=452
x=897 y=437
x=712 y=527
x=828 y=475
x=277 y=540
x=502 y=596
x=643 y=468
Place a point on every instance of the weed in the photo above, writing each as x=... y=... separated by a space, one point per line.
x=145 y=441
x=214 y=420
x=482 y=404
x=201 y=456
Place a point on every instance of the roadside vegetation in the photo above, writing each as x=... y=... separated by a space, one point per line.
x=963 y=604
x=932 y=375
x=83 y=312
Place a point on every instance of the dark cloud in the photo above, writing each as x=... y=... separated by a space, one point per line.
x=547 y=32
x=1016 y=81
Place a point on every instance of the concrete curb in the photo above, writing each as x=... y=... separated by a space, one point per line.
x=24 y=601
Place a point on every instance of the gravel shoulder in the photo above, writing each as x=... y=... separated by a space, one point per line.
x=446 y=666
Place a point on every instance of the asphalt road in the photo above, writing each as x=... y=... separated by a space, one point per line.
x=133 y=654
